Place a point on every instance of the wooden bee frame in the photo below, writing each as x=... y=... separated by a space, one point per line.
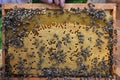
x=6 y=7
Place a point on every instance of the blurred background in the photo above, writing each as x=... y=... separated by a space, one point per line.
x=67 y=1
x=0 y=28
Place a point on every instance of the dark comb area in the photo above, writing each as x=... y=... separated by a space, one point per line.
x=58 y=43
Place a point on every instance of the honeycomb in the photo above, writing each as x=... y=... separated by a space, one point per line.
x=58 y=43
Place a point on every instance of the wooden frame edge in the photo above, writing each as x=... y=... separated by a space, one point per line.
x=52 y=6
x=111 y=6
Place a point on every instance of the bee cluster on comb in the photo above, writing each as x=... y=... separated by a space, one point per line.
x=62 y=43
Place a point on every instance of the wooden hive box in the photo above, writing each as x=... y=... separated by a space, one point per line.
x=6 y=7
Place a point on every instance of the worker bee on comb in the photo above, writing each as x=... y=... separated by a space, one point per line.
x=59 y=43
